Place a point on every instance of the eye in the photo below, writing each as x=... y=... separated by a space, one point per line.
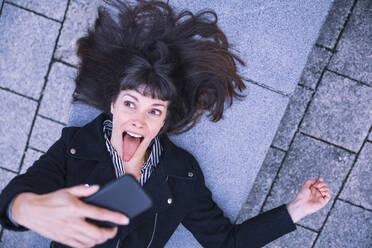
x=129 y=104
x=155 y=112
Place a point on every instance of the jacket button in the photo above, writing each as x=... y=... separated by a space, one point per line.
x=73 y=151
x=170 y=201
x=190 y=174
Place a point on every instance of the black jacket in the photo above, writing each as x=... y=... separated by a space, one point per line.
x=80 y=156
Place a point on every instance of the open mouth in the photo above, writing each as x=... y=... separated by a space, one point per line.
x=131 y=142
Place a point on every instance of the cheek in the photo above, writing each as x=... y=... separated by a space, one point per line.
x=155 y=127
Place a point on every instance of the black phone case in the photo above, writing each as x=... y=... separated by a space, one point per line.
x=123 y=195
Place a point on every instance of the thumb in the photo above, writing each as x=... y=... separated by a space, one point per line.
x=309 y=183
x=83 y=190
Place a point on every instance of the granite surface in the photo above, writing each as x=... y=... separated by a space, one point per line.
x=340 y=113
x=26 y=46
x=354 y=51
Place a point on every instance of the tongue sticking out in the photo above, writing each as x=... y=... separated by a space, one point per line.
x=130 y=145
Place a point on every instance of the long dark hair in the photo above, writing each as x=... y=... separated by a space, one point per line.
x=183 y=58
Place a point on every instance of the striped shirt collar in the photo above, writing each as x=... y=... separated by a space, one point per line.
x=147 y=167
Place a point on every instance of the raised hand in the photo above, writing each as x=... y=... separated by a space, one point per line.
x=313 y=195
x=60 y=216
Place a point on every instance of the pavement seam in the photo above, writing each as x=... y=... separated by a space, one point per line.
x=274 y=180
x=324 y=47
x=19 y=94
x=327 y=142
x=65 y=63
x=348 y=77
x=355 y=205
x=33 y=11
x=35 y=149
x=1 y=11
x=316 y=88
x=52 y=120
x=337 y=197
x=9 y=170
x=41 y=97
x=308 y=228
x=43 y=88
x=268 y=88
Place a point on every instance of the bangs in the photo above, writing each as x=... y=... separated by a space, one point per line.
x=149 y=80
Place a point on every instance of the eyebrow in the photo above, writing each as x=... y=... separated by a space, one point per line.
x=136 y=99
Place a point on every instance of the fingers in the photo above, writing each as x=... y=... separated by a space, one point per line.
x=91 y=234
x=82 y=190
x=98 y=213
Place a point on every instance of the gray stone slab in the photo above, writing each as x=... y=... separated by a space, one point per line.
x=347 y=227
x=340 y=112
x=261 y=185
x=302 y=237
x=317 y=60
x=306 y=159
x=52 y=9
x=57 y=96
x=292 y=117
x=357 y=189
x=80 y=15
x=334 y=23
x=28 y=239
x=5 y=177
x=26 y=46
x=274 y=38
x=44 y=134
x=17 y=114
x=354 y=51
x=30 y=157
x=240 y=143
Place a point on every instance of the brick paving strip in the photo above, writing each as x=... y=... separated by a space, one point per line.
x=327 y=130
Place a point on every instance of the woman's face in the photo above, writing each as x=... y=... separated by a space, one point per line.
x=137 y=119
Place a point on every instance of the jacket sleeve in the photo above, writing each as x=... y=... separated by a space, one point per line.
x=47 y=174
x=211 y=228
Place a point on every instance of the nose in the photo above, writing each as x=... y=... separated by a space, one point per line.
x=138 y=122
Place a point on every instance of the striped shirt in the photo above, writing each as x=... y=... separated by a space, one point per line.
x=147 y=167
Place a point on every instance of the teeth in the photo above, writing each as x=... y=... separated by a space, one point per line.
x=134 y=135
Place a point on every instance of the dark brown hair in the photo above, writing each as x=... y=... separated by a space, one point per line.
x=183 y=58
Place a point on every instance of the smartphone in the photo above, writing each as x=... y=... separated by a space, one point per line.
x=124 y=195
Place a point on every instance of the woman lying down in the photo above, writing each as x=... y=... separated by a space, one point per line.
x=152 y=72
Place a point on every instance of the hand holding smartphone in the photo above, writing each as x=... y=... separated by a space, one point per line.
x=124 y=195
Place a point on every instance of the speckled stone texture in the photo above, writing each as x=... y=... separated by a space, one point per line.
x=358 y=188
x=30 y=157
x=13 y=129
x=261 y=185
x=306 y=159
x=347 y=227
x=341 y=112
x=354 y=51
x=370 y=136
x=11 y=239
x=292 y=239
x=26 y=46
x=52 y=9
x=81 y=15
x=292 y=117
x=316 y=62
x=44 y=134
x=274 y=37
x=334 y=23
x=5 y=177
x=57 y=96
